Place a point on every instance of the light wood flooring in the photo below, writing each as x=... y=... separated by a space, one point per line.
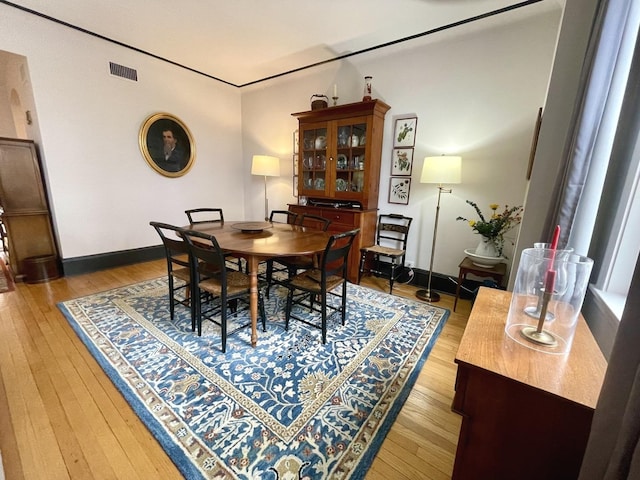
x=61 y=417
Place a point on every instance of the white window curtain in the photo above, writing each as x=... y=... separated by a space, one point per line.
x=595 y=118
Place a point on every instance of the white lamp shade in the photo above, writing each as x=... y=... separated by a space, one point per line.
x=265 y=165
x=442 y=169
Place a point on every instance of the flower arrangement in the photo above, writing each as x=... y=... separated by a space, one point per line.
x=497 y=225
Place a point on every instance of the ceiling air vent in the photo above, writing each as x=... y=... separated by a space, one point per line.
x=122 y=71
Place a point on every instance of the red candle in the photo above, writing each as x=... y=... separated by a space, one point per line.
x=550 y=278
x=549 y=281
x=556 y=237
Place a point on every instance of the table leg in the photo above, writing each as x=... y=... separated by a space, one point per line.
x=253 y=298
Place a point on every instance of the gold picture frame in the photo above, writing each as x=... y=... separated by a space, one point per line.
x=167 y=145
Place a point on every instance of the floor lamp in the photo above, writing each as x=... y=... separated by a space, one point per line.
x=267 y=167
x=440 y=170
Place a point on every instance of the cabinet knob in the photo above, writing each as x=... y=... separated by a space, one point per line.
x=331 y=159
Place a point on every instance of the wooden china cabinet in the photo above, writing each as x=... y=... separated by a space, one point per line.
x=339 y=169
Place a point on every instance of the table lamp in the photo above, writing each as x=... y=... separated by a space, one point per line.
x=267 y=167
x=441 y=170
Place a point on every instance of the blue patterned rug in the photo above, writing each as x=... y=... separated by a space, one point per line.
x=291 y=408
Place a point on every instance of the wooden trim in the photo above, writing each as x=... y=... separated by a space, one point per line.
x=93 y=263
x=376 y=107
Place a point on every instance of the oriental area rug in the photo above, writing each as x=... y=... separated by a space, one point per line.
x=290 y=408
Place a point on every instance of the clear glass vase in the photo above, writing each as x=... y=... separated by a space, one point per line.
x=547 y=298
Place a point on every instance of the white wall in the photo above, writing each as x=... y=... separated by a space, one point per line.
x=103 y=192
x=476 y=95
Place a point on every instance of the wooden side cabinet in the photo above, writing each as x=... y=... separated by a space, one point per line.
x=339 y=169
x=340 y=149
x=525 y=414
x=24 y=201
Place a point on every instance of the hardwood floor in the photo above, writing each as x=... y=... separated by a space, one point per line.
x=61 y=417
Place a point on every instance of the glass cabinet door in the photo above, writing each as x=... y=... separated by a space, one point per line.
x=350 y=158
x=314 y=158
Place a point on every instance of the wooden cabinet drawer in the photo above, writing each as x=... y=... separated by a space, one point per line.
x=343 y=218
x=338 y=218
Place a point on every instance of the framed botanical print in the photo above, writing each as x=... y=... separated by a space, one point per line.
x=167 y=145
x=399 y=190
x=404 y=132
x=402 y=162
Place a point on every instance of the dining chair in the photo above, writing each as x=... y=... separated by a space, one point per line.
x=283 y=216
x=319 y=283
x=276 y=216
x=178 y=265
x=211 y=215
x=392 y=232
x=202 y=215
x=226 y=287
x=314 y=221
x=291 y=265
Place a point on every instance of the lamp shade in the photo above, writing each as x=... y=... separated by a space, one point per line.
x=442 y=169
x=265 y=165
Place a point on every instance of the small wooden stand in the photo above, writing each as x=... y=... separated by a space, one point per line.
x=466 y=266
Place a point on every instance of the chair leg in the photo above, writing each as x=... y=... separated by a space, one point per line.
x=198 y=311
x=233 y=305
x=287 y=314
x=363 y=259
x=392 y=277
x=192 y=310
x=171 y=298
x=269 y=275
x=223 y=324
x=344 y=301
x=262 y=312
x=324 y=318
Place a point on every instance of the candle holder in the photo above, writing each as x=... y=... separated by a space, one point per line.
x=536 y=310
x=547 y=298
x=335 y=101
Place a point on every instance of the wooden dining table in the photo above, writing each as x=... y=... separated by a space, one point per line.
x=259 y=241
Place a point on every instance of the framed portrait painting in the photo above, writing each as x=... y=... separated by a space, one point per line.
x=404 y=132
x=399 y=190
x=167 y=145
x=402 y=162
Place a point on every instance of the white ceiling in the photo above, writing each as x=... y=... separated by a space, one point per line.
x=246 y=41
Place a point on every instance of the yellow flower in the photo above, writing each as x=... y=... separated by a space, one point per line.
x=495 y=226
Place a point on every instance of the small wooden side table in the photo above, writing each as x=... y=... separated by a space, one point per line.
x=466 y=266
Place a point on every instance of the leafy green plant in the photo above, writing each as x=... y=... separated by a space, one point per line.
x=497 y=225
